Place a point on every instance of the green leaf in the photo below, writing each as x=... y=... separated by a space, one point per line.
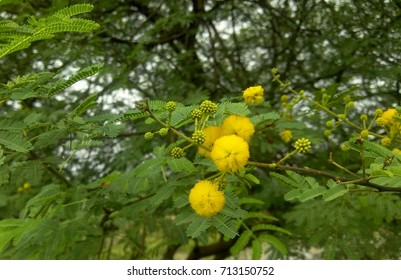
x=260 y=215
x=293 y=194
x=311 y=193
x=14 y=141
x=251 y=178
x=270 y=227
x=241 y=242
x=251 y=200
x=335 y=190
x=74 y=10
x=33 y=171
x=235 y=108
x=198 y=226
x=9 y=124
x=185 y=217
x=163 y=193
x=49 y=138
x=181 y=201
x=178 y=165
x=266 y=117
x=80 y=75
x=256 y=249
x=285 y=180
x=225 y=225
x=275 y=242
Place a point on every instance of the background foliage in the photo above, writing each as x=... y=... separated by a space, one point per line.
x=70 y=128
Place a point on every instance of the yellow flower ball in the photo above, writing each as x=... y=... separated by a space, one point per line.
x=206 y=199
x=253 y=95
x=238 y=125
x=230 y=153
x=212 y=133
x=397 y=151
x=386 y=119
x=286 y=135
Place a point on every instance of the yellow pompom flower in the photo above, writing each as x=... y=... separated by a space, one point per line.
x=212 y=133
x=206 y=199
x=238 y=125
x=230 y=153
x=253 y=95
x=286 y=135
x=397 y=151
x=386 y=119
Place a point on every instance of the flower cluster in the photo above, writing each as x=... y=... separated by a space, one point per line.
x=206 y=199
x=212 y=133
x=388 y=120
x=230 y=153
x=228 y=143
x=238 y=125
x=253 y=95
x=286 y=135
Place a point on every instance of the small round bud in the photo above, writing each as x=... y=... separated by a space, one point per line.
x=163 y=131
x=141 y=105
x=344 y=147
x=386 y=141
x=327 y=133
x=342 y=117
x=284 y=98
x=365 y=133
x=198 y=137
x=148 y=135
x=301 y=92
x=351 y=104
x=171 y=106
x=20 y=189
x=196 y=114
x=208 y=107
x=323 y=90
x=302 y=145
x=363 y=117
x=329 y=123
x=347 y=99
x=378 y=112
x=177 y=152
x=26 y=185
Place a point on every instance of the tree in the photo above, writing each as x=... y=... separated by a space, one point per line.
x=79 y=178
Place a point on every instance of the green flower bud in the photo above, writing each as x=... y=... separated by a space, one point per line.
x=386 y=141
x=177 y=152
x=327 y=133
x=329 y=123
x=163 y=131
x=148 y=135
x=198 y=137
x=284 y=98
x=302 y=145
x=196 y=114
x=351 y=104
x=171 y=106
x=342 y=117
x=365 y=133
x=378 y=112
x=347 y=99
x=344 y=147
x=208 y=107
x=363 y=117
